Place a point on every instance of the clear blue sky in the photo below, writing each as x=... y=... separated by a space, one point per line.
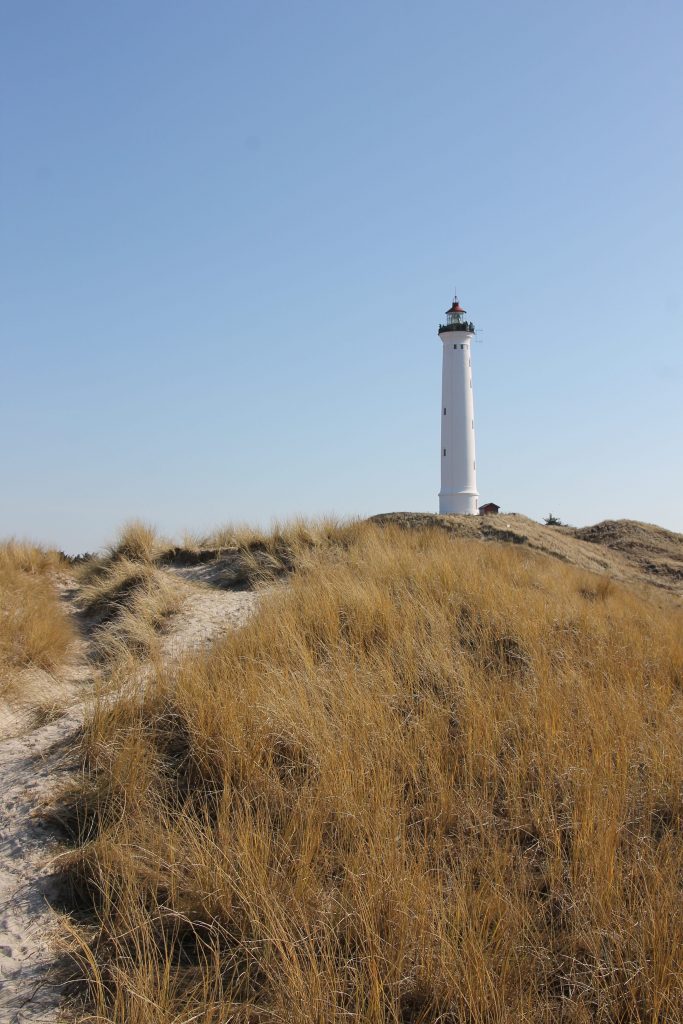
x=230 y=229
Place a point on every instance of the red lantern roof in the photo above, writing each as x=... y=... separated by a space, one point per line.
x=456 y=308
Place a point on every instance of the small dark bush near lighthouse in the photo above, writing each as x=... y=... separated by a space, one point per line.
x=432 y=780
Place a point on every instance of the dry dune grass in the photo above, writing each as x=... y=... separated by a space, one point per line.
x=129 y=599
x=431 y=781
x=138 y=541
x=242 y=556
x=254 y=555
x=35 y=631
x=639 y=554
x=293 y=533
x=650 y=549
x=266 y=556
x=136 y=623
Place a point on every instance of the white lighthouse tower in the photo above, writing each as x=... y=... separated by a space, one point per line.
x=458 y=492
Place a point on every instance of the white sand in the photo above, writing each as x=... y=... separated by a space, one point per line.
x=29 y=767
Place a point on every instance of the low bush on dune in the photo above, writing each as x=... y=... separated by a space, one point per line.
x=431 y=780
x=35 y=631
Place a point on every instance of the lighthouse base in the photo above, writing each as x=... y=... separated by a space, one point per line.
x=459 y=503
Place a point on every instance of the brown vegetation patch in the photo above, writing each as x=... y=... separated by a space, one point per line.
x=127 y=598
x=649 y=549
x=631 y=552
x=432 y=780
x=35 y=630
x=240 y=557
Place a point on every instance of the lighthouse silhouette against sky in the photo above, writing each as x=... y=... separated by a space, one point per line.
x=458 y=492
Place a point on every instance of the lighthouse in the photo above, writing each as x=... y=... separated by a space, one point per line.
x=458 y=492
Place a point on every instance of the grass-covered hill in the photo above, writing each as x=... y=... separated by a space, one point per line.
x=626 y=550
x=429 y=780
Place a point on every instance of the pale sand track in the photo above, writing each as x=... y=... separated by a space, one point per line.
x=33 y=760
x=30 y=765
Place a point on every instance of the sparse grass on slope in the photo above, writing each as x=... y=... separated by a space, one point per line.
x=129 y=598
x=656 y=552
x=245 y=557
x=35 y=631
x=135 y=603
x=432 y=780
x=635 y=553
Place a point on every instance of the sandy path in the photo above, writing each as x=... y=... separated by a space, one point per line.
x=29 y=767
x=205 y=615
x=32 y=762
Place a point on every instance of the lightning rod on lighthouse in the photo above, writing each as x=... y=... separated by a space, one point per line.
x=458 y=492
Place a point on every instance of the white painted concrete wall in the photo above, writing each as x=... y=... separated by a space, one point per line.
x=458 y=467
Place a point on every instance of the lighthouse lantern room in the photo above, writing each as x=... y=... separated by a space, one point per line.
x=458 y=494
